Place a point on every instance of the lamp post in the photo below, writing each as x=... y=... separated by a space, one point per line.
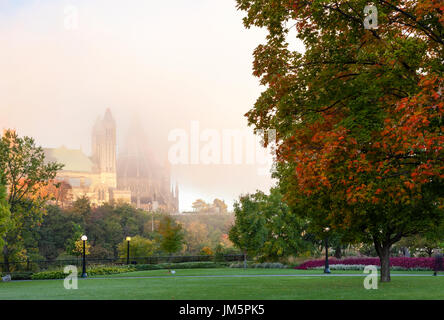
x=84 y=238
x=128 y=239
x=327 y=267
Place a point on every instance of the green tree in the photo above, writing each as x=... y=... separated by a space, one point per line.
x=267 y=228
x=72 y=244
x=4 y=212
x=139 y=247
x=248 y=232
x=200 y=206
x=53 y=234
x=26 y=172
x=130 y=218
x=284 y=228
x=196 y=236
x=81 y=210
x=221 y=205
x=427 y=242
x=171 y=235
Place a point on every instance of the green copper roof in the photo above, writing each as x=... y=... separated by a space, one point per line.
x=74 y=160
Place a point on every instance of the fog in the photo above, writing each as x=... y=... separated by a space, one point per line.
x=164 y=63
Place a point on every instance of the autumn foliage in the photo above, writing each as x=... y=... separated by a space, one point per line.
x=401 y=157
x=358 y=113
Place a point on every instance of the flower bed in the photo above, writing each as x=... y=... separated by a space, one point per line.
x=361 y=267
x=407 y=263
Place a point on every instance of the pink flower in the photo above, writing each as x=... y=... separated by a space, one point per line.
x=398 y=262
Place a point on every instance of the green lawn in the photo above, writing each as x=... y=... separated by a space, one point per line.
x=239 y=271
x=179 y=286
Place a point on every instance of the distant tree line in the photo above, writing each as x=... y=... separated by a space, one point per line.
x=218 y=206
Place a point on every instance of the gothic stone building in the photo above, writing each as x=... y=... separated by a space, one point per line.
x=132 y=177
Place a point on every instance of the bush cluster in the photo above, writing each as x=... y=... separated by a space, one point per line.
x=240 y=265
x=264 y=265
x=93 y=271
x=182 y=265
x=18 y=275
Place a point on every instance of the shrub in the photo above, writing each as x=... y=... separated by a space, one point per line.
x=263 y=265
x=236 y=265
x=19 y=275
x=241 y=265
x=109 y=270
x=219 y=253
x=206 y=251
x=93 y=271
x=368 y=250
x=183 y=265
x=48 y=275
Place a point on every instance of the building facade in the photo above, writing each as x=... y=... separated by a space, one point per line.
x=140 y=172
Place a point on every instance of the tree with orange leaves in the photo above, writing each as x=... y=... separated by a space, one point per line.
x=358 y=115
x=57 y=191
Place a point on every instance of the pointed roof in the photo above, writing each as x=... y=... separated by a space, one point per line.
x=135 y=158
x=108 y=116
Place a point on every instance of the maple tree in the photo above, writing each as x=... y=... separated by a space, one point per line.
x=358 y=115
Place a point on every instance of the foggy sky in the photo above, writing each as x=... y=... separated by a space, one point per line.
x=166 y=63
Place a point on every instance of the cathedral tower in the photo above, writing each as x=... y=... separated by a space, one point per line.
x=140 y=171
x=104 y=148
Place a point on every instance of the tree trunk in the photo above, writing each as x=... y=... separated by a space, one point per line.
x=6 y=258
x=338 y=252
x=245 y=260
x=429 y=252
x=384 y=257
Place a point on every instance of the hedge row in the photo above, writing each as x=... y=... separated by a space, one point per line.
x=93 y=271
x=407 y=263
x=182 y=265
x=264 y=265
x=19 y=275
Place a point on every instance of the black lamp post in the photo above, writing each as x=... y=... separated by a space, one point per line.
x=327 y=267
x=128 y=239
x=84 y=238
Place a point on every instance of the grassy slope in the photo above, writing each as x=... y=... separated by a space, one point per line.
x=174 y=287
